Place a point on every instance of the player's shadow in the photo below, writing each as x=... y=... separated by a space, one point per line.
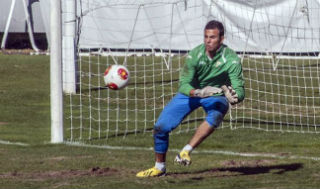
x=243 y=170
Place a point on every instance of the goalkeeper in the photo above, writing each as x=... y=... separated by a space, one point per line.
x=211 y=78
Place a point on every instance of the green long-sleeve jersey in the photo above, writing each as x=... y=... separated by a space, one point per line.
x=200 y=71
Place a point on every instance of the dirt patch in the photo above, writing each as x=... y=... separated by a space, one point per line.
x=3 y=123
x=95 y=171
x=103 y=171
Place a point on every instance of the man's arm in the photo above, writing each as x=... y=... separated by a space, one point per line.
x=186 y=76
x=236 y=78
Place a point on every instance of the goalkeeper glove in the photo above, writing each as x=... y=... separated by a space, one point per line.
x=207 y=91
x=230 y=94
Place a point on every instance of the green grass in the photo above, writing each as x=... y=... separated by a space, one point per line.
x=25 y=100
x=25 y=118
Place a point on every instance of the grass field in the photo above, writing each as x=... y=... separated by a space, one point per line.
x=240 y=158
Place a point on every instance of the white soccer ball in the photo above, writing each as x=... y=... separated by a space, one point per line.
x=116 y=77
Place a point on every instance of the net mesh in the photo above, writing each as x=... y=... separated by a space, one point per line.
x=151 y=38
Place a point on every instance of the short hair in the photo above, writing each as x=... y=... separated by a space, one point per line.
x=213 y=24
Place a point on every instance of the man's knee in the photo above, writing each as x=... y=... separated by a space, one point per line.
x=161 y=139
x=214 y=119
x=161 y=130
x=165 y=125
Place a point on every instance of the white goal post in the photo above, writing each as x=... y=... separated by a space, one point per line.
x=56 y=98
x=278 y=42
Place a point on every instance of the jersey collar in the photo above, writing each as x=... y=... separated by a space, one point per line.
x=218 y=53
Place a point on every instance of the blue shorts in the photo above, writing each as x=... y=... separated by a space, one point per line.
x=178 y=108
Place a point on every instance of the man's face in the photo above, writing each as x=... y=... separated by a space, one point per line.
x=212 y=40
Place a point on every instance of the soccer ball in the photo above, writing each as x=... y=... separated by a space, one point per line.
x=116 y=77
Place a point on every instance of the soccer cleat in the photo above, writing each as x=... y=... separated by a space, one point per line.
x=183 y=158
x=152 y=172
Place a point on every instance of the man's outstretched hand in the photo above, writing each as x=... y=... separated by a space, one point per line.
x=230 y=94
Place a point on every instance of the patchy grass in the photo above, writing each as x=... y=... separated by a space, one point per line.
x=281 y=160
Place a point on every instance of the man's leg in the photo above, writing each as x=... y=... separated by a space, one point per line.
x=171 y=116
x=216 y=108
x=201 y=133
x=160 y=157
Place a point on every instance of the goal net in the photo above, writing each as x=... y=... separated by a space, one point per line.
x=278 y=42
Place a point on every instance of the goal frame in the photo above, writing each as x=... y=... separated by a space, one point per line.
x=64 y=60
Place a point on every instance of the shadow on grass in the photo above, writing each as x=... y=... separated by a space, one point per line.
x=245 y=170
